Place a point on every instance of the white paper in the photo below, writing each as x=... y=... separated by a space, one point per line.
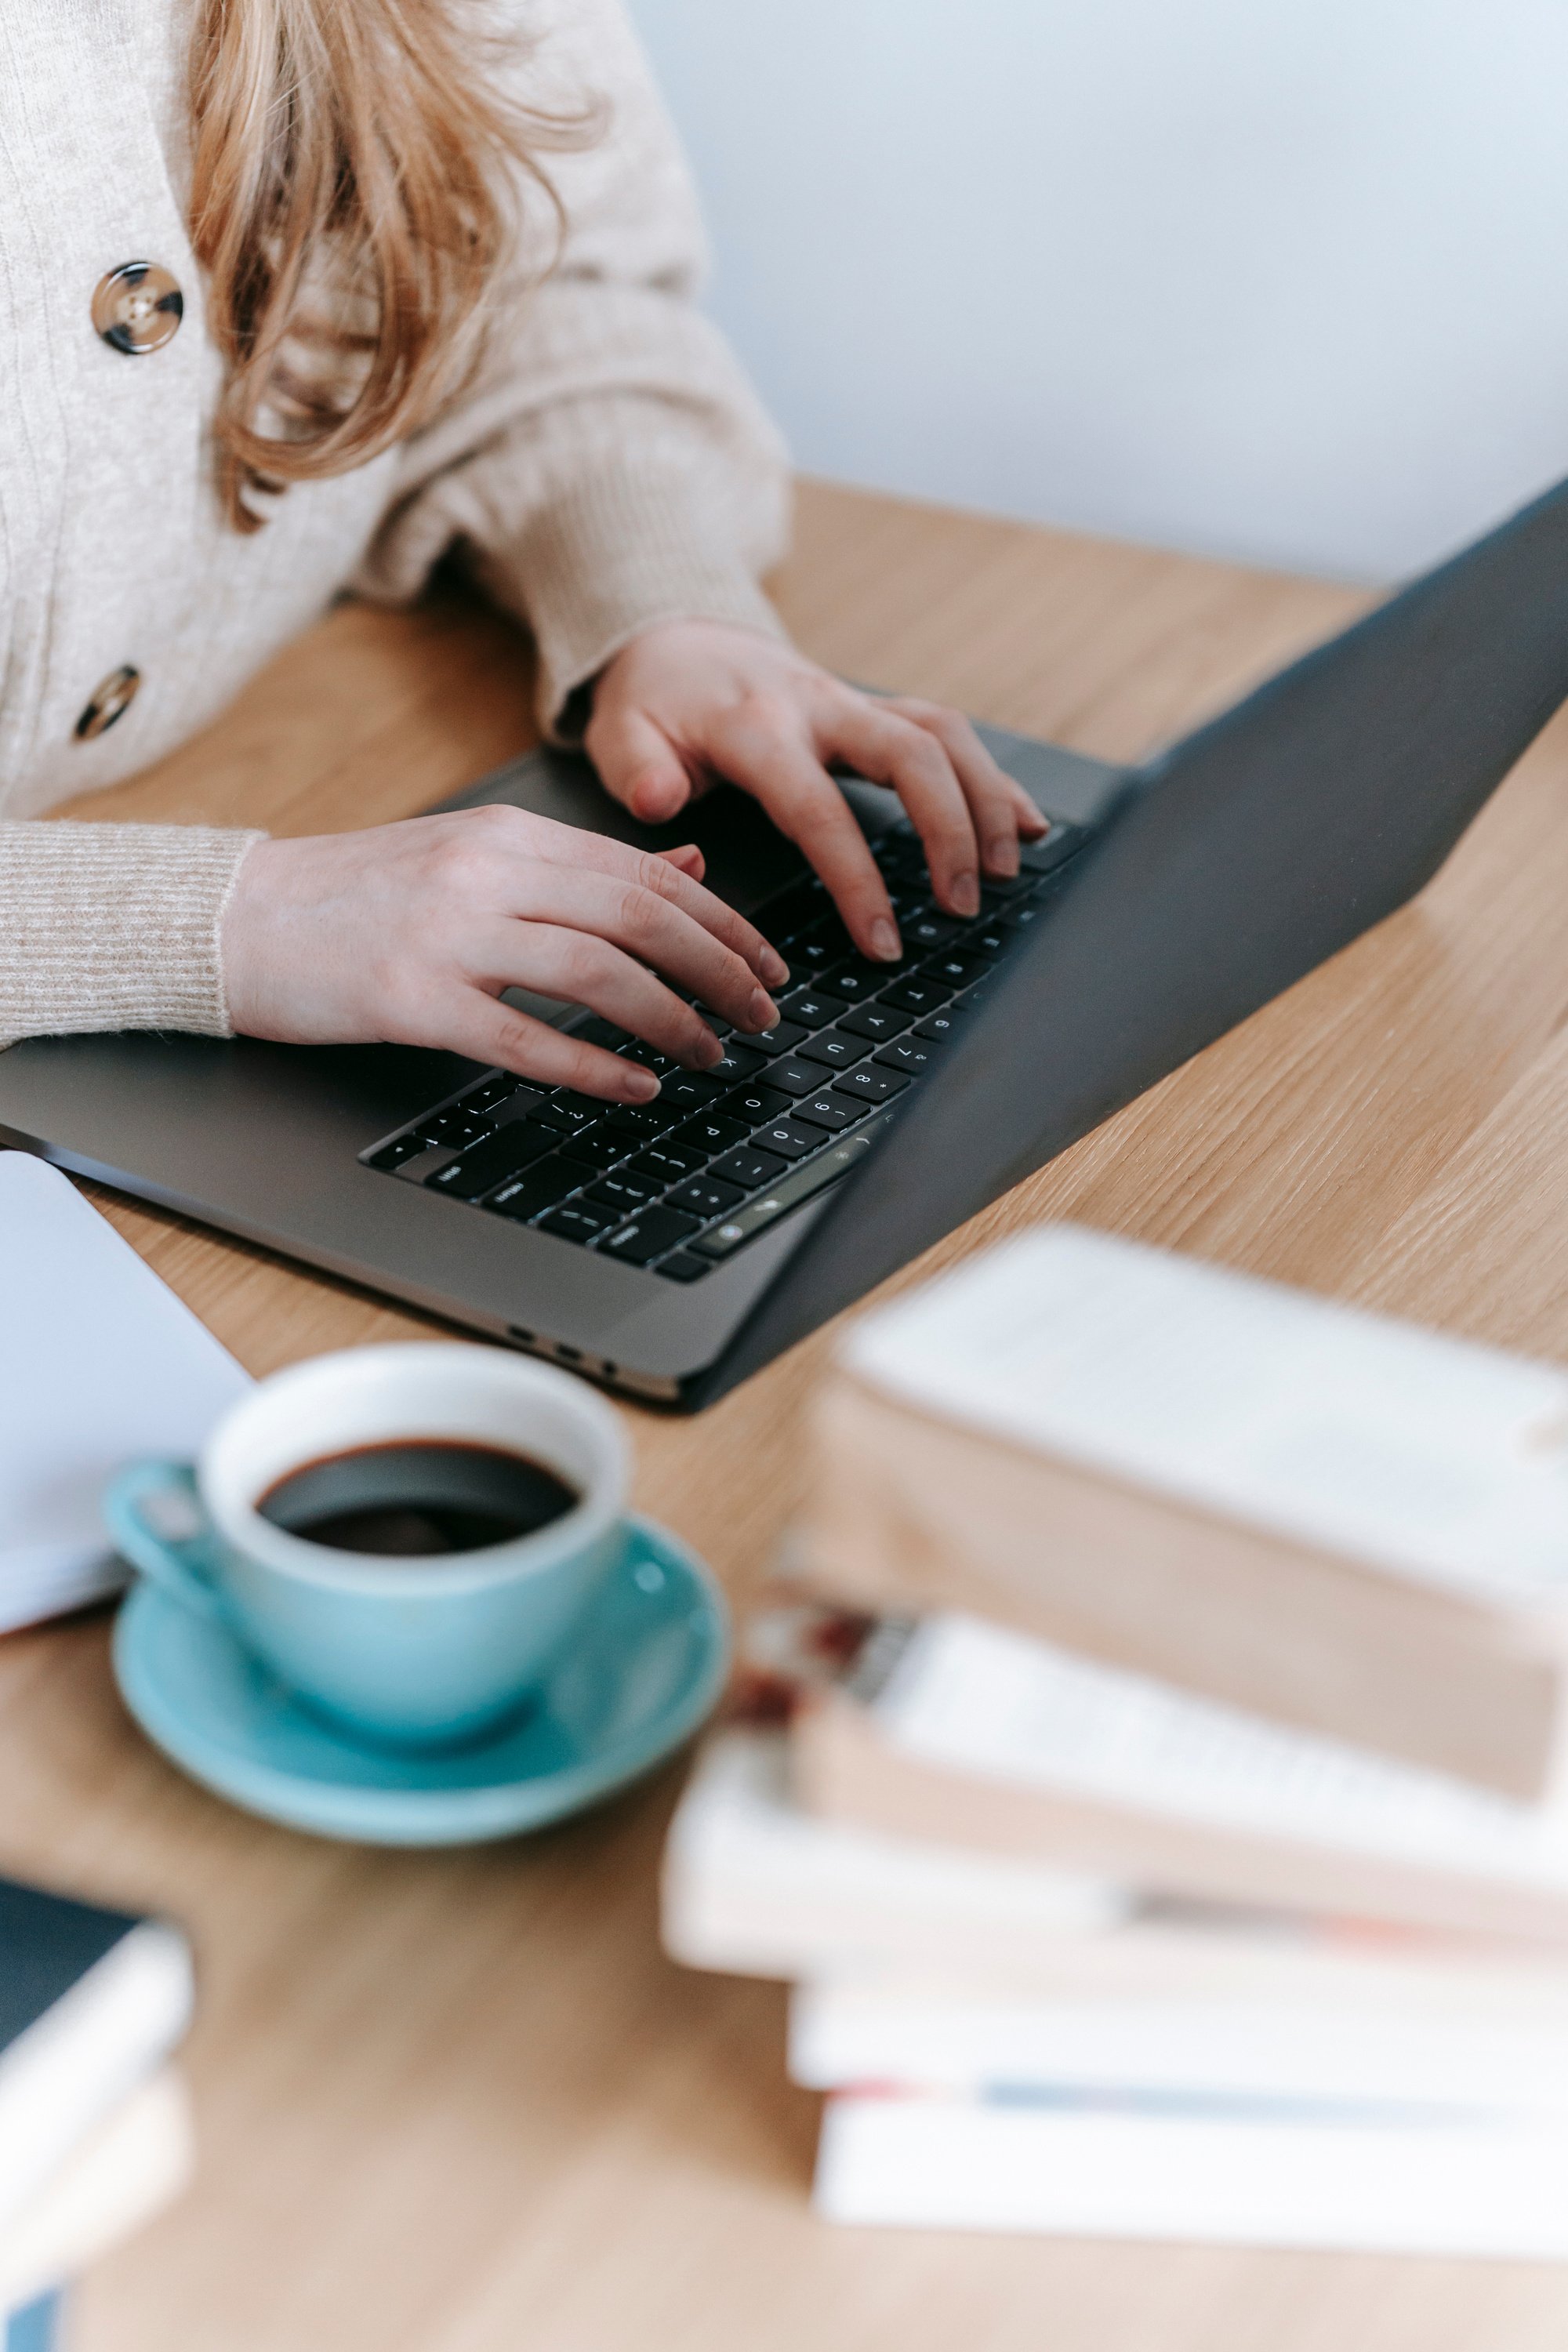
x=100 y=1364
x=1204 y=2177
x=754 y=1884
x=855 y=2033
x=1403 y=1448
x=972 y=1698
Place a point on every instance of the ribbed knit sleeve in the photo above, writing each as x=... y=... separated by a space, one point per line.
x=610 y=466
x=114 y=926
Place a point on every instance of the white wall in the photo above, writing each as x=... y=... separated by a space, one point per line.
x=1284 y=278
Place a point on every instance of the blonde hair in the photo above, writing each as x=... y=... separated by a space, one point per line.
x=357 y=181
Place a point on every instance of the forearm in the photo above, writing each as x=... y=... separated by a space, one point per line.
x=114 y=927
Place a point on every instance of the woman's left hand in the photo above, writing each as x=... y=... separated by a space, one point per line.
x=690 y=702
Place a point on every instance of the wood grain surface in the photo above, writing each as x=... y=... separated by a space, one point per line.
x=459 y=2103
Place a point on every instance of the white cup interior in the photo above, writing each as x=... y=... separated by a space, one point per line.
x=371 y=1396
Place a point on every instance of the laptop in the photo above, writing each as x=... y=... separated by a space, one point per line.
x=671 y=1250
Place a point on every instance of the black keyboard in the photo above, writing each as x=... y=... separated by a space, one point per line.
x=680 y=1183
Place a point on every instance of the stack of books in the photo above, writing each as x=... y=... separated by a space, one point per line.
x=94 y=2127
x=1158 y=1796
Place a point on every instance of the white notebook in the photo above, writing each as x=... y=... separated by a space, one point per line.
x=1167 y=2170
x=100 y=1365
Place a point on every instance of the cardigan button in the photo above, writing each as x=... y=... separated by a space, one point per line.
x=110 y=700
x=137 y=308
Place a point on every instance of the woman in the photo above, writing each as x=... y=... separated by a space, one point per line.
x=297 y=295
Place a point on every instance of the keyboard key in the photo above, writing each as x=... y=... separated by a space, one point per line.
x=815 y=951
x=793 y=1077
x=916 y=994
x=877 y=1021
x=835 y=1050
x=787 y=1140
x=402 y=1147
x=489 y=1164
x=782 y=1040
x=683 y=1266
x=956 y=971
x=799 y=1185
x=1062 y=842
x=456 y=1127
x=604 y=1033
x=756 y=1103
x=930 y=930
x=540 y=1187
x=825 y=1111
x=810 y=1007
x=857 y=979
x=564 y=1112
x=649 y=1235
x=521 y=1103
x=987 y=940
x=741 y=1060
x=649 y=1057
x=493 y=1092
x=621 y=1193
x=712 y=1132
x=907 y=1053
x=580 y=1105
x=867 y=1084
x=691 y=1090
x=700 y=1196
x=664 y=1163
x=425 y=1164
x=748 y=1167
x=597 y=1149
x=646 y=1120
x=939 y=1028
x=716 y=1021
x=579 y=1221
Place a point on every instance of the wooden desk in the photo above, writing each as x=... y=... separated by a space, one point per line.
x=459 y=2103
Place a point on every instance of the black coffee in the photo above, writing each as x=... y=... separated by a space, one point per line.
x=417 y=1498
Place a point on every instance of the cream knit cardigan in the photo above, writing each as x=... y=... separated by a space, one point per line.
x=609 y=467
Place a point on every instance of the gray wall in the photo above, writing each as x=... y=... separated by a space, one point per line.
x=1283 y=279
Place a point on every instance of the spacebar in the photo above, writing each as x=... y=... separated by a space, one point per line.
x=797 y=1186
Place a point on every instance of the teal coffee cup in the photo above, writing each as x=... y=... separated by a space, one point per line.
x=421 y=1651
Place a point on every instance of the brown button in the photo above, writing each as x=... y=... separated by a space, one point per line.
x=110 y=700
x=137 y=308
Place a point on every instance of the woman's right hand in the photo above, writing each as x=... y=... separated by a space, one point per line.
x=406 y=934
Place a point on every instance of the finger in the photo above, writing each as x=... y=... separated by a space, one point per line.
x=577 y=968
x=644 y=923
x=892 y=749
x=484 y=1030
x=688 y=860
x=1001 y=808
x=637 y=765
x=772 y=762
x=596 y=852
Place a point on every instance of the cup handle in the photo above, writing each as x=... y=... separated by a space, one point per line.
x=155 y=1515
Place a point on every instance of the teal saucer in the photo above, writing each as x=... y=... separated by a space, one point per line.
x=640 y=1679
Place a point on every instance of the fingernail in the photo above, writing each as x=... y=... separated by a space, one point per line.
x=775 y=971
x=1002 y=855
x=885 y=939
x=965 y=894
x=710 y=1051
x=762 y=1013
x=641 y=1084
